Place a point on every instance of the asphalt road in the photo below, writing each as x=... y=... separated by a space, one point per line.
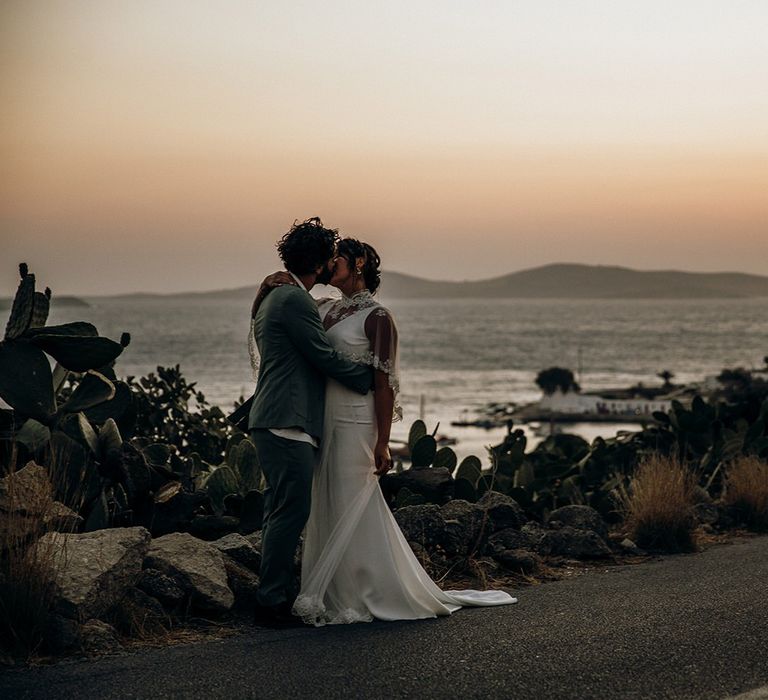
x=691 y=626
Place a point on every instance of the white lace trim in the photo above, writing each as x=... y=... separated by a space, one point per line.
x=344 y=306
x=312 y=611
x=253 y=351
x=368 y=358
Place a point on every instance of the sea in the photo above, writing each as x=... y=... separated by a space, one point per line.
x=457 y=355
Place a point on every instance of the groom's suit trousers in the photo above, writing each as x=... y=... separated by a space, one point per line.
x=288 y=466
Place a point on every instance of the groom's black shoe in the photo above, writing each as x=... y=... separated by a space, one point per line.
x=276 y=617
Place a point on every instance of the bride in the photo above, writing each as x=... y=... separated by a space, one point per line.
x=356 y=563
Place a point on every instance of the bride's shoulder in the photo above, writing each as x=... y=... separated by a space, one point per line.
x=379 y=319
x=382 y=311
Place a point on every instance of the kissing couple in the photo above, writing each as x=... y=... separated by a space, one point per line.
x=320 y=419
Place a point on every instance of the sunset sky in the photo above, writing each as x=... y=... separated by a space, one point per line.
x=165 y=145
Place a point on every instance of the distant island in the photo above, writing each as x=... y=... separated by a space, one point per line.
x=62 y=301
x=557 y=281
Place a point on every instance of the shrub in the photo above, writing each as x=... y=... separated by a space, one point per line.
x=746 y=491
x=659 y=505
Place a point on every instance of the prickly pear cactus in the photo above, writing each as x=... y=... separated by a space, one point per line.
x=23 y=305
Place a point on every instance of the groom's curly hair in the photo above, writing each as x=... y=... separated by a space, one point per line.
x=307 y=246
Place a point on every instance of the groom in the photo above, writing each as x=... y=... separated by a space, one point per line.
x=286 y=417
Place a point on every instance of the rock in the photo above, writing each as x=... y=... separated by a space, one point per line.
x=197 y=566
x=94 y=569
x=464 y=526
x=503 y=512
x=97 y=637
x=27 y=491
x=510 y=539
x=706 y=513
x=61 y=634
x=59 y=518
x=240 y=550
x=213 y=527
x=511 y=548
x=434 y=484
x=421 y=524
x=580 y=518
x=574 y=543
x=629 y=547
x=243 y=582
x=254 y=539
x=535 y=531
x=161 y=587
x=519 y=560
x=139 y=615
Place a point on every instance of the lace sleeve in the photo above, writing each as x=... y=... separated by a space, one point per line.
x=381 y=331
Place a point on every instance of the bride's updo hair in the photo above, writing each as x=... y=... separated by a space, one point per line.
x=351 y=249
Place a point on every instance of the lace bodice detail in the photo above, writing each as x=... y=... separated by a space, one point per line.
x=333 y=310
x=350 y=337
x=363 y=330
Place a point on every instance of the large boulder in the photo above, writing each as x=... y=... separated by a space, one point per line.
x=580 y=518
x=512 y=549
x=243 y=582
x=197 y=566
x=27 y=491
x=574 y=544
x=520 y=561
x=464 y=527
x=435 y=484
x=503 y=512
x=510 y=539
x=59 y=518
x=239 y=549
x=161 y=587
x=421 y=524
x=93 y=569
x=535 y=531
x=139 y=615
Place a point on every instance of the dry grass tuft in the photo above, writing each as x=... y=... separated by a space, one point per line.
x=659 y=506
x=27 y=566
x=27 y=586
x=746 y=491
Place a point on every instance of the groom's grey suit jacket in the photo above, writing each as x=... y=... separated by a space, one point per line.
x=296 y=358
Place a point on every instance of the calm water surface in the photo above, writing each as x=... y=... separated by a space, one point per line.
x=460 y=354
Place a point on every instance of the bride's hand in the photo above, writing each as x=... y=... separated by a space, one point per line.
x=270 y=282
x=278 y=279
x=383 y=459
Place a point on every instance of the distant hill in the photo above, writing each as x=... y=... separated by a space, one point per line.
x=570 y=281
x=585 y=282
x=5 y=303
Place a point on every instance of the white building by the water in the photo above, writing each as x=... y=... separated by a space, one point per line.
x=619 y=403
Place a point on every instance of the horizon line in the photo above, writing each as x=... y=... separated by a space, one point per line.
x=191 y=292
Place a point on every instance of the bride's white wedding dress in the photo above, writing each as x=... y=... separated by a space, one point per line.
x=356 y=563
